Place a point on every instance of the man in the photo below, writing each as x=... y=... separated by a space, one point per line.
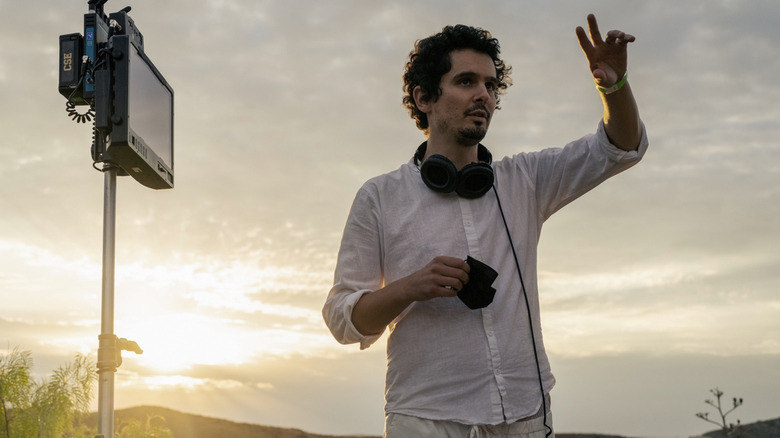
x=469 y=366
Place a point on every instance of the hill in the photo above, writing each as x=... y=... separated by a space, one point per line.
x=197 y=426
x=759 y=429
x=185 y=425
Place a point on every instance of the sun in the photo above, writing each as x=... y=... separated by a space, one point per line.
x=216 y=313
x=175 y=342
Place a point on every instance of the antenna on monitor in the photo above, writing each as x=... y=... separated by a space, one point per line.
x=96 y=4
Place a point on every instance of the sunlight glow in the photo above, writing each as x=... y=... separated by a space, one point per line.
x=182 y=382
x=196 y=312
x=157 y=382
x=218 y=312
x=178 y=341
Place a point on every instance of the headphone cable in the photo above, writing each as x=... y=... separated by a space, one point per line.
x=528 y=309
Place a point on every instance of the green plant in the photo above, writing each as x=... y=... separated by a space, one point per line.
x=56 y=407
x=50 y=408
x=15 y=387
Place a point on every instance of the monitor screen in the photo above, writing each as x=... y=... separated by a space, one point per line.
x=150 y=111
x=142 y=117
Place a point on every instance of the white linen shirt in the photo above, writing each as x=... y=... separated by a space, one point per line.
x=445 y=361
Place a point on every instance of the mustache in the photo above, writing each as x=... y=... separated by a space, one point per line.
x=480 y=110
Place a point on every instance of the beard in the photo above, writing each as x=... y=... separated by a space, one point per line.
x=471 y=135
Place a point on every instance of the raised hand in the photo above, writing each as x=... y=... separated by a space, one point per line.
x=608 y=59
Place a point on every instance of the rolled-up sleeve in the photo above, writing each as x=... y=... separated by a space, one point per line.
x=358 y=270
x=619 y=155
x=561 y=175
x=337 y=313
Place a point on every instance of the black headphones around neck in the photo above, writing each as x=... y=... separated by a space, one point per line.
x=440 y=175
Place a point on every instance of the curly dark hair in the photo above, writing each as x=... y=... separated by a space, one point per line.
x=430 y=60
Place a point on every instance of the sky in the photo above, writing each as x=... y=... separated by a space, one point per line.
x=655 y=287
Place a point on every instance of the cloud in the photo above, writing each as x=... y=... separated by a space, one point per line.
x=680 y=306
x=179 y=382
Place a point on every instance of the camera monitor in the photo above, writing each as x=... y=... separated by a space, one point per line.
x=142 y=117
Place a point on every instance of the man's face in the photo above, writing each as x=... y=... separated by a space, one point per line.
x=468 y=99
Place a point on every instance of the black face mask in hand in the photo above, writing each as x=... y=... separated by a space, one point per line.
x=478 y=292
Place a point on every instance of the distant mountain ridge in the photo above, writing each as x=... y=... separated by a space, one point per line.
x=197 y=426
x=759 y=429
x=185 y=425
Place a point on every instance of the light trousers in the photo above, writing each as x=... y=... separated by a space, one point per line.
x=405 y=426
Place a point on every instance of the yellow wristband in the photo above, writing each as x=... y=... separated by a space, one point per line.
x=615 y=87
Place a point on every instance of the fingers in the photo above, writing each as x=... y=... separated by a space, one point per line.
x=585 y=43
x=449 y=274
x=593 y=28
x=619 y=37
x=612 y=37
x=454 y=271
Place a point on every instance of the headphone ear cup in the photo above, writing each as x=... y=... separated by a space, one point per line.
x=474 y=180
x=439 y=174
